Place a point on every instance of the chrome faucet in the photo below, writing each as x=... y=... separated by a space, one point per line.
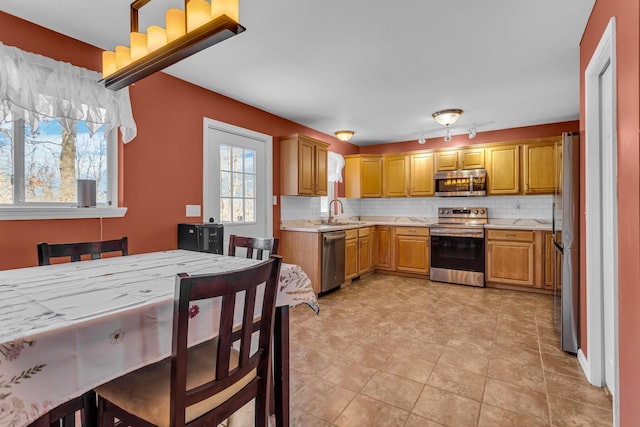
x=341 y=208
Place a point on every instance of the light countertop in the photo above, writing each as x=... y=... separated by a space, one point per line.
x=346 y=223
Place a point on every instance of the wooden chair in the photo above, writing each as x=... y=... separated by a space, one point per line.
x=259 y=244
x=47 y=251
x=65 y=414
x=205 y=384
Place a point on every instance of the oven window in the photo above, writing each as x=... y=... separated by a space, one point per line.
x=457 y=253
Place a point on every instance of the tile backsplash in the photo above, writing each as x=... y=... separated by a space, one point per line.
x=520 y=207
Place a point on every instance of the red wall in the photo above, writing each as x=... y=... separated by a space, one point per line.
x=160 y=170
x=627 y=15
x=513 y=134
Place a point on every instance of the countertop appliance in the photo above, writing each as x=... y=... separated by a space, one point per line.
x=201 y=237
x=457 y=246
x=333 y=260
x=566 y=240
x=472 y=182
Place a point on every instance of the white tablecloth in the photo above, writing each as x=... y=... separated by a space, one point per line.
x=67 y=328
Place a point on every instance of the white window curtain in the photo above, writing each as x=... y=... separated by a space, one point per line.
x=336 y=164
x=34 y=86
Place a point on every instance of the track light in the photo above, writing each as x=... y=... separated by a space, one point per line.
x=472 y=132
x=447 y=136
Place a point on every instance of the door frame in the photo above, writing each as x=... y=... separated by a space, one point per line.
x=267 y=140
x=603 y=57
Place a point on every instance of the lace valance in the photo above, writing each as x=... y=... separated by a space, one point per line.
x=336 y=163
x=33 y=86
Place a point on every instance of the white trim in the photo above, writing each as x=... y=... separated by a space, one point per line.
x=584 y=363
x=603 y=58
x=11 y=213
x=268 y=155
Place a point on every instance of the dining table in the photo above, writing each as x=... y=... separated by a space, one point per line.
x=67 y=328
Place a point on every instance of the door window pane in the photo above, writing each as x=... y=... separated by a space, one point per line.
x=237 y=184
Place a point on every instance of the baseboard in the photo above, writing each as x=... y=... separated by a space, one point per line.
x=584 y=364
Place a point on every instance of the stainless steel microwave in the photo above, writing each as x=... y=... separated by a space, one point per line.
x=471 y=182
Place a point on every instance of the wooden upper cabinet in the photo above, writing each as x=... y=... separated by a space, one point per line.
x=421 y=176
x=447 y=161
x=539 y=168
x=396 y=176
x=363 y=176
x=303 y=162
x=503 y=170
x=472 y=158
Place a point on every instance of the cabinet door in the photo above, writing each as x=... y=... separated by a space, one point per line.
x=510 y=262
x=381 y=247
x=503 y=173
x=364 y=254
x=306 y=167
x=351 y=258
x=371 y=177
x=321 y=166
x=421 y=182
x=471 y=159
x=447 y=161
x=539 y=169
x=412 y=254
x=395 y=176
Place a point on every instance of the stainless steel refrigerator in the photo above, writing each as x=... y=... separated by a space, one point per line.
x=566 y=240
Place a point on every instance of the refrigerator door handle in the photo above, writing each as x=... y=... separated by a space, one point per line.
x=558 y=247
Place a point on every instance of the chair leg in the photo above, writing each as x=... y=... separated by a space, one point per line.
x=90 y=411
x=262 y=411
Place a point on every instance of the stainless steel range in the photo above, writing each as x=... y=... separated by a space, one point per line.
x=457 y=246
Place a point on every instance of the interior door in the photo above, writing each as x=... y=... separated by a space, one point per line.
x=237 y=180
x=609 y=229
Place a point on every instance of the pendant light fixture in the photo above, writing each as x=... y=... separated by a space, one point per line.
x=344 y=135
x=200 y=25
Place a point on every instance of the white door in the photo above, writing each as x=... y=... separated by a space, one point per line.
x=601 y=200
x=237 y=180
x=609 y=227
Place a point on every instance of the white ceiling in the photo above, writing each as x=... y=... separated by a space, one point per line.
x=377 y=67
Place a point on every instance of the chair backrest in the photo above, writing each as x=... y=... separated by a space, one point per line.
x=76 y=250
x=253 y=245
x=228 y=286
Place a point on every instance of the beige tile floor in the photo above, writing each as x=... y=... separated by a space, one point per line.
x=393 y=351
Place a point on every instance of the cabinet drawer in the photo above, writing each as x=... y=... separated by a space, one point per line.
x=363 y=232
x=519 y=235
x=412 y=231
x=352 y=233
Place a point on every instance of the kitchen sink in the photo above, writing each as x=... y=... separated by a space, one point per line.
x=338 y=223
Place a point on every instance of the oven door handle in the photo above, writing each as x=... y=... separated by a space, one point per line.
x=457 y=233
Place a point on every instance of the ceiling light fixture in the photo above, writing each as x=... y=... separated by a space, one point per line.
x=447 y=117
x=202 y=25
x=344 y=135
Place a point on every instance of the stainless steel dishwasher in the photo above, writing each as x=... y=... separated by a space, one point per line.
x=332 y=260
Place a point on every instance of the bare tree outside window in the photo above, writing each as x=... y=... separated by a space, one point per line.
x=54 y=158
x=237 y=184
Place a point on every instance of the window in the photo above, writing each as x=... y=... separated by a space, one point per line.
x=237 y=184
x=42 y=166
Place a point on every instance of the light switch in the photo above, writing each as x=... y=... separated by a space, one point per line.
x=274 y=200
x=193 y=210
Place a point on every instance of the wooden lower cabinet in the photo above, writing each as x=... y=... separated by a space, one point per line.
x=364 y=251
x=351 y=254
x=303 y=249
x=515 y=258
x=381 y=247
x=358 y=250
x=412 y=249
